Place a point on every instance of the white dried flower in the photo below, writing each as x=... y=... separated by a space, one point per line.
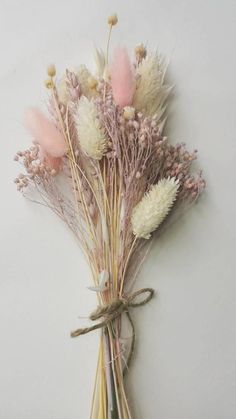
x=149 y=213
x=151 y=92
x=91 y=135
x=129 y=112
x=102 y=285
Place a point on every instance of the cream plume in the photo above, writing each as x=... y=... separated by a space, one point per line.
x=62 y=91
x=149 y=213
x=91 y=135
x=151 y=92
x=100 y=61
x=45 y=133
x=122 y=78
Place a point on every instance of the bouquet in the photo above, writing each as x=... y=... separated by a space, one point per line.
x=101 y=162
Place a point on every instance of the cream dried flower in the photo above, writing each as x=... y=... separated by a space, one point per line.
x=48 y=83
x=129 y=112
x=91 y=135
x=151 y=92
x=112 y=20
x=149 y=213
x=84 y=77
x=51 y=70
x=92 y=83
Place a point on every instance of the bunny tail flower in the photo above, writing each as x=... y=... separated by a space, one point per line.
x=151 y=93
x=91 y=135
x=45 y=133
x=149 y=213
x=122 y=78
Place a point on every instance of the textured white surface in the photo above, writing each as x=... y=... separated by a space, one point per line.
x=185 y=361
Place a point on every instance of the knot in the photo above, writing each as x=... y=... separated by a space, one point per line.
x=114 y=309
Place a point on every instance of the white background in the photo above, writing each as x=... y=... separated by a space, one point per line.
x=185 y=361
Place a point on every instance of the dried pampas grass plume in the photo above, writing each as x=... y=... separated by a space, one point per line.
x=45 y=133
x=100 y=61
x=151 y=92
x=122 y=78
x=154 y=207
x=91 y=135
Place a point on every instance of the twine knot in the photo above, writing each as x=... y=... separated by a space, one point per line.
x=114 y=309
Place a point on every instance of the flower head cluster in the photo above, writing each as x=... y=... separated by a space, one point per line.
x=108 y=129
x=153 y=208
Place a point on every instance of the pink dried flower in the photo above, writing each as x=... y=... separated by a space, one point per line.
x=53 y=163
x=45 y=133
x=122 y=78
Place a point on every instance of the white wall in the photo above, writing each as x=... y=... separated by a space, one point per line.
x=185 y=361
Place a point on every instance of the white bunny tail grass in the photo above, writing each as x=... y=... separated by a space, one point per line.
x=154 y=207
x=151 y=92
x=91 y=135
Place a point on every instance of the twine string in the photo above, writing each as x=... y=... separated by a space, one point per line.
x=111 y=311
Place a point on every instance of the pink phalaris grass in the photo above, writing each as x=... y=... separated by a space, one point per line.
x=45 y=133
x=122 y=78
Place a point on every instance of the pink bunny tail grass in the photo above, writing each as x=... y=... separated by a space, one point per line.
x=45 y=133
x=122 y=78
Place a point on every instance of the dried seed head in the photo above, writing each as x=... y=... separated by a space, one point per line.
x=92 y=83
x=51 y=70
x=129 y=112
x=112 y=19
x=140 y=52
x=48 y=83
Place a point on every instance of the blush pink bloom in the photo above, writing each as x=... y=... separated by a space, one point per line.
x=122 y=78
x=45 y=133
x=54 y=163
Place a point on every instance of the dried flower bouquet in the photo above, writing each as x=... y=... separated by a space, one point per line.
x=101 y=163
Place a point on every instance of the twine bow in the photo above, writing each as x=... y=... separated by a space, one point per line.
x=113 y=310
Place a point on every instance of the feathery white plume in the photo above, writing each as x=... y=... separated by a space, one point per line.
x=100 y=61
x=151 y=92
x=91 y=135
x=149 y=213
x=62 y=91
